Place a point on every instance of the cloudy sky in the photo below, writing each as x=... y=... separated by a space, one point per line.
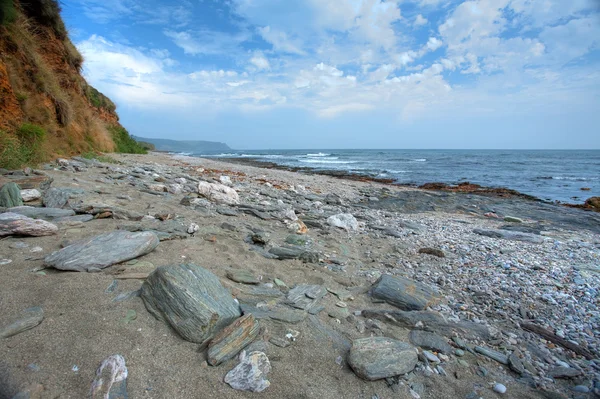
x=348 y=73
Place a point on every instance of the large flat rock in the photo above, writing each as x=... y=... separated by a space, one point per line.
x=49 y=214
x=375 y=358
x=15 y=224
x=102 y=251
x=191 y=300
x=404 y=293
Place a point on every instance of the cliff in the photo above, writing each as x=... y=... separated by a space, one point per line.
x=47 y=109
x=193 y=146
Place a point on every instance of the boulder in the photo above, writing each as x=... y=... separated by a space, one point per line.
x=111 y=379
x=15 y=224
x=218 y=193
x=101 y=251
x=30 y=195
x=251 y=373
x=235 y=337
x=343 y=221
x=375 y=358
x=10 y=195
x=190 y=299
x=404 y=293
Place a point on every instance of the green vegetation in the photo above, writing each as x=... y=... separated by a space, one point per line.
x=46 y=12
x=74 y=57
x=98 y=99
x=123 y=141
x=101 y=158
x=8 y=14
x=23 y=148
x=147 y=146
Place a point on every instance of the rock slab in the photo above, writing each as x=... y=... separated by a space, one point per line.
x=251 y=373
x=101 y=251
x=343 y=221
x=218 y=193
x=429 y=340
x=404 y=293
x=375 y=358
x=510 y=235
x=235 y=337
x=190 y=299
x=111 y=379
x=10 y=195
x=49 y=214
x=31 y=318
x=15 y=224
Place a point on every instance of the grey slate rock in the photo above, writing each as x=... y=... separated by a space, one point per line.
x=291 y=316
x=510 y=235
x=102 y=251
x=49 y=214
x=31 y=318
x=286 y=253
x=404 y=293
x=76 y=218
x=429 y=340
x=56 y=197
x=492 y=354
x=375 y=358
x=251 y=373
x=563 y=372
x=305 y=296
x=231 y=340
x=190 y=299
x=242 y=276
x=16 y=224
x=10 y=195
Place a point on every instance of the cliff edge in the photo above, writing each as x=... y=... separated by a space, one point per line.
x=47 y=109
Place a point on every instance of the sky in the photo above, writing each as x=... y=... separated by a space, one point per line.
x=276 y=74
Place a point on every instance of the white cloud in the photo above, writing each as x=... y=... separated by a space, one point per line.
x=207 y=41
x=260 y=62
x=434 y=43
x=280 y=41
x=420 y=20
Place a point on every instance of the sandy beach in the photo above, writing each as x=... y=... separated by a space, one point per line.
x=495 y=264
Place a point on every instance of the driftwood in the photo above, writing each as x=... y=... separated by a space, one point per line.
x=550 y=336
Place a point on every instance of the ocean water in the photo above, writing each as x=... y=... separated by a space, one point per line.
x=552 y=175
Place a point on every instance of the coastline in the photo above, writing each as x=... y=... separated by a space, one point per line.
x=524 y=271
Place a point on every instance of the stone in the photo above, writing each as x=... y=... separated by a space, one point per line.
x=432 y=251
x=339 y=313
x=231 y=340
x=56 y=197
x=218 y=193
x=102 y=251
x=343 y=221
x=296 y=239
x=515 y=364
x=226 y=180
x=499 y=388
x=429 y=340
x=492 y=354
x=32 y=317
x=15 y=224
x=286 y=253
x=563 y=372
x=512 y=219
x=49 y=214
x=305 y=296
x=190 y=299
x=431 y=357
x=31 y=194
x=404 y=293
x=111 y=379
x=251 y=373
x=261 y=238
x=291 y=316
x=159 y=188
x=375 y=358
x=242 y=276
x=175 y=188
x=510 y=235
x=280 y=342
x=10 y=195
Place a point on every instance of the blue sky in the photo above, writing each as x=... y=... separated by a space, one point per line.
x=261 y=74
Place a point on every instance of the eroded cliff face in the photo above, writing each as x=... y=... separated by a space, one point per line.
x=47 y=109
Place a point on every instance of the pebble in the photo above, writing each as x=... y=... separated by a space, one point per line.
x=581 y=388
x=431 y=357
x=500 y=388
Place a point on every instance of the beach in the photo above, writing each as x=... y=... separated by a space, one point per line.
x=491 y=266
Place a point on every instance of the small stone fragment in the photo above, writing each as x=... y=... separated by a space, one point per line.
x=500 y=388
x=432 y=251
x=232 y=339
x=428 y=340
x=30 y=195
x=492 y=354
x=251 y=373
x=375 y=358
x=242 y=276
x=111 y=379
x=404 y=293
x=343 y=221
x=31 y=318
x=563 y=372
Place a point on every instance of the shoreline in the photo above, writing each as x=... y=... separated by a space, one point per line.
x=493 y=278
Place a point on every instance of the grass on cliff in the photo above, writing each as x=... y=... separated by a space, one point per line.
x=124 y=142
x=8 y=13
x=25 y=147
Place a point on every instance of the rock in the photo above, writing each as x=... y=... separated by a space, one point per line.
x=563 y=372
x=227 y=211
x=230 y=341
x=291 y=316
x=593 y=202
x=175 y=188
x=280 y=342
x=510 y=235
x=56 y=197
x=190 y=299
x=404 y=293
x=429 y=340
x=242 y=276
x=375 y=358
x=30 y=195
x=296 y=239
x=261 y=238
x=343 y=221
x=111 y=379
x=31 y=318
x=432 y=251
x=492 y=354
x=226 y=180
x=159 y=188
x=10 y=195
x=251 y=373
x=305 y=296
x=512 y=219
x=515 y=364
x=286 y=252
x=193 y=228
x=431 y=357
x=218 y=193
x=15 y=224
x=500 y=388
x=102 y=251
x=298 y=227
x=49 y=214
x=339 y=313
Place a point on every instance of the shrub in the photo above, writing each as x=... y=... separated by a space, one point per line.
x=98 y=99
x=101 y=158
x=74 y=57
x=46 y=12
x=64 y=111
x=24 y=148
x=124 y=142
x=8 y=13
x=12 y=152
x=31 y=134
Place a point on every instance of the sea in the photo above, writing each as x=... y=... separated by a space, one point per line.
x=550 y=175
